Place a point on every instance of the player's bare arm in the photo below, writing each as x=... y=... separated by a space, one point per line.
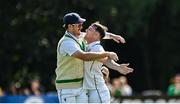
x=90 y=56
x=116 y=38
x=121 y=68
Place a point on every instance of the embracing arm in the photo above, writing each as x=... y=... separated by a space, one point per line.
x=116 y=38
x=72 y=49
x=90 y=56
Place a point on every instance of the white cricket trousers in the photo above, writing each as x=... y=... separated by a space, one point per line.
x=99 y=96
x=77 y=95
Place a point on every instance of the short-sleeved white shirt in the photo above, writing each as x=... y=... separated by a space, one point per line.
x=69 y=46
x=93 y=77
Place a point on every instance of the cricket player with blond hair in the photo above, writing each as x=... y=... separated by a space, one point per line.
x=93 y=77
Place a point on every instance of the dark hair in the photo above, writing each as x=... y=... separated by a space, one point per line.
x=100 y=28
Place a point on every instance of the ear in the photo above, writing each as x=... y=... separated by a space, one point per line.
x=69 y=26
x=97 y=34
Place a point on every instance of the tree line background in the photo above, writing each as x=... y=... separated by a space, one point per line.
x=30 y=30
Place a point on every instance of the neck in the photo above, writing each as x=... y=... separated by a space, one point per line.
x=73 y=33
x=91 y=41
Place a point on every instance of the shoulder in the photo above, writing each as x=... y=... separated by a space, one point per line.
x=66 y=41
x=97 y=48
x=67 y=44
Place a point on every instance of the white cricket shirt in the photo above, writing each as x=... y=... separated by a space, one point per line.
x=93 y=77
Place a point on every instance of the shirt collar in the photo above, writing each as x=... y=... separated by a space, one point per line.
x=93 y=43
x=68 y=33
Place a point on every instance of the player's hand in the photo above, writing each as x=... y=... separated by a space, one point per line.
x=105 y=71
x=124 y=69
x=118 y=38
x=113 y=56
